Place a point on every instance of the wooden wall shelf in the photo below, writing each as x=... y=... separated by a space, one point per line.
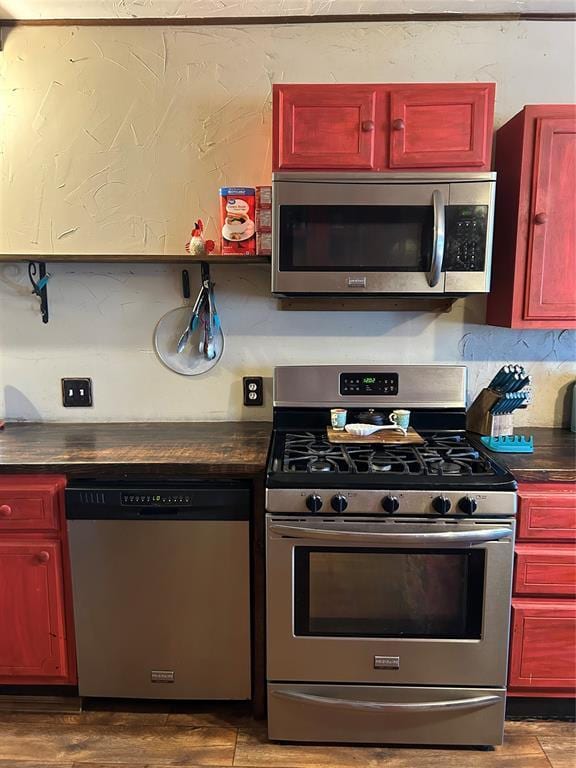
x=127 y=258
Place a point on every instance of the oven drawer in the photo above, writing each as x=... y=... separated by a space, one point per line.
x=385 y=714
x=545 y=570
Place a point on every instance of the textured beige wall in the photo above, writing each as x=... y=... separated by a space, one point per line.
x=114 y=139
x=100 y=9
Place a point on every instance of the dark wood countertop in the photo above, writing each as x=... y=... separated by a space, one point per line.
x=211 y=448
x=553 y=460
x=136 y=448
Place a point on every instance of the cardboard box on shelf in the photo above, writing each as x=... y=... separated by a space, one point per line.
x=264 y=243
x=237 y=216
x=263 y=197
x=263 y=220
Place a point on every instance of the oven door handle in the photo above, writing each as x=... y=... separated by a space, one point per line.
x=416 y=539
x=438 y=238
x=383 y=706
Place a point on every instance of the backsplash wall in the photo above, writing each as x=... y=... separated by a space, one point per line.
x=115 y=139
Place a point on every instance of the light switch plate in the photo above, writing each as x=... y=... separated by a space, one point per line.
x=76 y=393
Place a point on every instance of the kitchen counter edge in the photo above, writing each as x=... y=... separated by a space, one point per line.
x=112 y=450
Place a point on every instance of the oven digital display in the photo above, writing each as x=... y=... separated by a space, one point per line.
x=369 y=384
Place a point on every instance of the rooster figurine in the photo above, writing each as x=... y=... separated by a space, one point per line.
x=197 y=246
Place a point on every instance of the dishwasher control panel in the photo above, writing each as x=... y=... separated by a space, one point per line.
x=181 y=500
x=155 y=499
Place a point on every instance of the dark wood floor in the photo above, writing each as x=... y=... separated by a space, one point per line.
x=141 y=736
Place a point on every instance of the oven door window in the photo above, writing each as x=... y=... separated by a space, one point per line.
x=344 y=238
x=421 y=593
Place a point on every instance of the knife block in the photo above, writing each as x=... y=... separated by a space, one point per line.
x=479 y=419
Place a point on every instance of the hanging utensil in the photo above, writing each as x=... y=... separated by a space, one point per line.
x=194 y=320
x=188 y=362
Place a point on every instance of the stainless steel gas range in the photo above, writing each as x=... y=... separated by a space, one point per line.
x=389 y=568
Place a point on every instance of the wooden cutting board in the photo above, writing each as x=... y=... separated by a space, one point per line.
x=384 y=437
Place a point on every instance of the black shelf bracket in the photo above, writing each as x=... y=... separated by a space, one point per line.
x=39 y=286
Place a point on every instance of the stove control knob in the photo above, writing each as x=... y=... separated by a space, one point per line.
x=441 y=505
x=468 y=505
x=314 y=502
x=390 y=504
x=339 y=503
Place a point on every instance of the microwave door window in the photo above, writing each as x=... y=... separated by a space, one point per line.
x=369 y=238
x=388 y=593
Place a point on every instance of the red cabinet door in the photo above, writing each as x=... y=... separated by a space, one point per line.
x=543 y=642
x=323 y=127
x=551 y=270
x=442 y=126
x=32 y=627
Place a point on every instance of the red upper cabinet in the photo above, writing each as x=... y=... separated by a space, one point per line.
x=318 y=126
x=32 y=622
x=383 y=127
x=534 y=263
x=442 y=126
x=551 y=269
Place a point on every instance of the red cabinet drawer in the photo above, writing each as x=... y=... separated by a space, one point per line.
x=30 y=502
x=547 y=516
x=32 y=623
x=442 y=126
x=545 y=570
x=543 y=642
x=324 y=126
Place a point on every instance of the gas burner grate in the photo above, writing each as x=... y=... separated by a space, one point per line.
x=308 y=452
x=443 y=455
x=398 y=460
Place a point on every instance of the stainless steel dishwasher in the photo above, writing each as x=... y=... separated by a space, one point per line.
x=161 y=583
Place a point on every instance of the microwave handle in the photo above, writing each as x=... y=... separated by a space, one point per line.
x=438 y=238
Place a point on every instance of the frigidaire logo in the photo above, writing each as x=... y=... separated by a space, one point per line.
x=386 y=662
x=162 y=676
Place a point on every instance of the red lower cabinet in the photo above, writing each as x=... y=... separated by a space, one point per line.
x=36 y=627
x=543 y=642
x=32 y=619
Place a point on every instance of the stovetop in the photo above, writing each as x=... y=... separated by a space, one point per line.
x=443 y=454
x=305 y=458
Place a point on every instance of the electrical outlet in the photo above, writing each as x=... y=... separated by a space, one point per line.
x=253 y=390
x=76 y=393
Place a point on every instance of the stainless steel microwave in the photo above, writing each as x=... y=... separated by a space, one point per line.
x=379 y=233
